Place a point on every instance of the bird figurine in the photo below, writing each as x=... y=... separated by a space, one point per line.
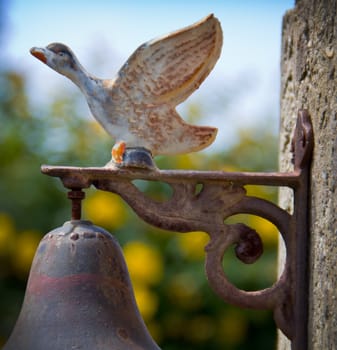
x=138 y=107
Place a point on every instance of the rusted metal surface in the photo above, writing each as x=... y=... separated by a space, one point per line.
x=79 y=295
x=76 y=197
x=87 y=176
x=223 y=195
x=303 y=143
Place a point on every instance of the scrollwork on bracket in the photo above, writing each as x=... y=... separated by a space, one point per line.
x=206 y=211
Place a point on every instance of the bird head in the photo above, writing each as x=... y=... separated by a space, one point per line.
x=58 y=57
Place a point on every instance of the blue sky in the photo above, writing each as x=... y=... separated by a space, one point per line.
x=104 y=33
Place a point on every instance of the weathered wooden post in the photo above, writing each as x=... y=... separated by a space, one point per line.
x=309 y=60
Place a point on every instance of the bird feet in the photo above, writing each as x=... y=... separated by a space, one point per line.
x=131 y=157
x=118 y=151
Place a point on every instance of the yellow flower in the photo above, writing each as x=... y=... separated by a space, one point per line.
x=155 y=331
x=25 y=247
x=185 y=161
x=105 y=209
x=229 y=168
x=144 y=262
x=147 y=301
x=266 y=230
x=192 y=244
x=267 y=192
x=7 y=234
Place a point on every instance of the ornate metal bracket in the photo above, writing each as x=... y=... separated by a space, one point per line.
x=223 y=195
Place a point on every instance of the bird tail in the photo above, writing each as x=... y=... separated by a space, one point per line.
x=182 y=137
x=202 y=137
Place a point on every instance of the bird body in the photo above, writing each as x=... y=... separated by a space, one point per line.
x=137 y=107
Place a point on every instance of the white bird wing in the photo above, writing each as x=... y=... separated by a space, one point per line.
x=168 y=69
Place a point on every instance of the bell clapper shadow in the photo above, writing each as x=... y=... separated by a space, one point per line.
x=79 y=294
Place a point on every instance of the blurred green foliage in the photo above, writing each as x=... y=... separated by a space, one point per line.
x=166 y=268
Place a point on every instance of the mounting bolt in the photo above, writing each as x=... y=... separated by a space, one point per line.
x=76 y=196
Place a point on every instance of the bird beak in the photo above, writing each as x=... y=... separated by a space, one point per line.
x=39 y=53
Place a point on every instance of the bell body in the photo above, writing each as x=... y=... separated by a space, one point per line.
x=79 y=295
